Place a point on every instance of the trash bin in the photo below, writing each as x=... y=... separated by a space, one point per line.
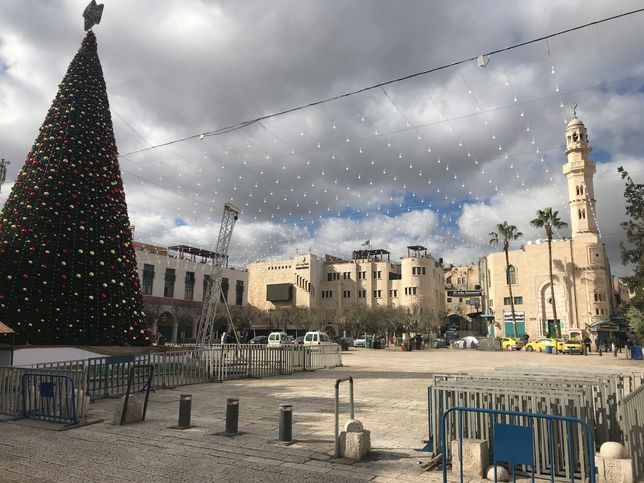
x=636 y=353
x=548 y=349
x=436 y=344
x=368 y=343
x=376 y=344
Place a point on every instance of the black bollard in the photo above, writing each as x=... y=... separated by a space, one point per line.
x=286 y=422
x=232 y=416
x=185 y=407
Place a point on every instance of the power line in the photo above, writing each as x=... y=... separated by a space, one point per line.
x=240 y=125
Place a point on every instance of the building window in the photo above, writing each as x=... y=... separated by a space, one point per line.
x=189 y=289
x=329 y=277
x=346 y=294
x=148 y=279
x=393 y=293
x=362 y=294
x=377 y=274
x=511 y=277
x=223 y=296
x=518 y=300
x=377 y=293
x=423 y=269
x=346 y=275
x=239 y=292
x=506 y=301
x=170 y=276
x=449 y=300
x=206 y=283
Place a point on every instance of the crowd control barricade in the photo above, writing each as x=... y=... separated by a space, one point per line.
x=49 y=396
x=542 y=445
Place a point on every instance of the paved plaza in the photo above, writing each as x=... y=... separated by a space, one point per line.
x=390 y=397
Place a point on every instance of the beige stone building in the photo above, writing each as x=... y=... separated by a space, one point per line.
x=369 y=278
x=464 y=298
x=173 y=282
x=582 y=279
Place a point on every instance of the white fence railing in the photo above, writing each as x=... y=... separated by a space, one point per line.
x=180 y=366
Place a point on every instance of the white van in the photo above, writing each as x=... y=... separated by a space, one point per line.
x=276 y=339
x=315 y=338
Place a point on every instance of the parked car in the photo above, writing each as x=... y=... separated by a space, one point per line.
x=573 y=346
x=276 y=339
x=260 y=339
x=360 y=341
x=510 y=343
x=315 y=337
x=540 y=345
x=341 y=341
x=468 y=342
x=299 y=340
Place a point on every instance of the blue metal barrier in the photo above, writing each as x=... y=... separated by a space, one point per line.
x=514 y=444
x=49 y=396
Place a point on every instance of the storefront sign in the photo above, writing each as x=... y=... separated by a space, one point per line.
x=463 y=293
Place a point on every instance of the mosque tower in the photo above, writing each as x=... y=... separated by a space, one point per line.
x=580 y=170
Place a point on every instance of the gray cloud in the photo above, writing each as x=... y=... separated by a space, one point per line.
x=455 y=152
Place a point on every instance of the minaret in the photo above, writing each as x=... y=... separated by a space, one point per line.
x=580 y=170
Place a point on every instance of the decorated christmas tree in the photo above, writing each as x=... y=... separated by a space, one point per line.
x=67 y=266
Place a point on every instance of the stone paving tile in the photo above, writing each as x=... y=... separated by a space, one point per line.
x=390 y=394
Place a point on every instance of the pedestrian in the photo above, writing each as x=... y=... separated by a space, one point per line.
x=526 y=338
x=597 y=344
x=419 y=342
x=224 y=338
x=394 y=339
x=587 y=344
x=613 y=345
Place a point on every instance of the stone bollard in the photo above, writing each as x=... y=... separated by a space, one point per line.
x=613 y=464
x=475 y=458
x=355 y=441
x=501 y=474
x=134 y=410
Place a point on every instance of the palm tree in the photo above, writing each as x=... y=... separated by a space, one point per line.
x=507 y=233
x=548 y=219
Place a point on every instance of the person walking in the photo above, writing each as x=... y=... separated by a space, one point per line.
x=587 y=344
x=224 y=338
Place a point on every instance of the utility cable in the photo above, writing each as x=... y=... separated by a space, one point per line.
x=240 y=125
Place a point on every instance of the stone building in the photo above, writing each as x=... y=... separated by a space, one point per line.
x=465 y=302
x=582 y=278
x=369 y=278
x=173 y=282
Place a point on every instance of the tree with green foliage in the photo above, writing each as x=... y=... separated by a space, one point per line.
x=507 y=233
x=69 y=273
x=549 y=220
x=633 y=250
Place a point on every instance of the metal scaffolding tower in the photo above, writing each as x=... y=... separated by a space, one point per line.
x=206 y=328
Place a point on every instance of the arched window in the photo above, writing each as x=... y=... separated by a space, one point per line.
x=511 y=277
x=581 y=189
x=583 y=213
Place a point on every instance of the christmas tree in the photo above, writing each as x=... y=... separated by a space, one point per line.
x=67 y=266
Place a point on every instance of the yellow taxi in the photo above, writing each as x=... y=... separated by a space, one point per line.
x=510 y=343
x=573 y=346
x=540 y=345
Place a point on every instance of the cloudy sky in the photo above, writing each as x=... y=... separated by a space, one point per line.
x=436 y=160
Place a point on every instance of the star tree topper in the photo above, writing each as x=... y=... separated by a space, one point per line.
x=92 y=14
